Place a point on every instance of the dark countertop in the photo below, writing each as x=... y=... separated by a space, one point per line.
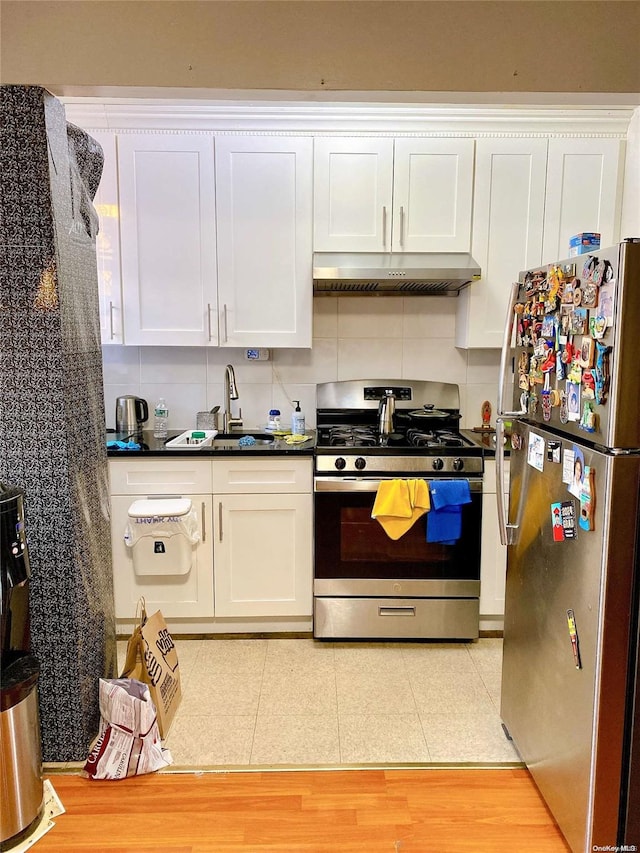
x=486 y=441
x=150 y=446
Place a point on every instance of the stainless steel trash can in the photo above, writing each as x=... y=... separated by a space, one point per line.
x=21 y=785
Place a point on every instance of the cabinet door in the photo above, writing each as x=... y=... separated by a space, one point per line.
x=584 y=193
x=508 y=214
x=168 y=238
x=432 y=194
x=263 y=555
x=353 y=181
x=179 y=595
x=108 y=243
x=264 y=206
x=493 y=561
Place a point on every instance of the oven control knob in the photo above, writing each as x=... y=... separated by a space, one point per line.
x=340 y=463
x=360 y=463
x=458 y=464
x=437 y=464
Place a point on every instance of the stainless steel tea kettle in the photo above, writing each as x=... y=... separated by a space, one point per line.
x=131 y=413
x=386 y=411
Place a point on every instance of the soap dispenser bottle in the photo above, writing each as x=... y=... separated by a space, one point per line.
x=297 y=420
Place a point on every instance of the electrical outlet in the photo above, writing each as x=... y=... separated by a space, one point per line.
x=257 y=354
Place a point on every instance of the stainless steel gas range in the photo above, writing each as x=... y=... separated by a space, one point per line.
x=367 y=585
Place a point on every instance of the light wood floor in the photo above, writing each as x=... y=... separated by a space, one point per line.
x=395 y=811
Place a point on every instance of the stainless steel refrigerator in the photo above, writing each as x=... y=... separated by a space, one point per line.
x=570 y=678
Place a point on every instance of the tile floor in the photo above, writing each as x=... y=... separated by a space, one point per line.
x=299 y=702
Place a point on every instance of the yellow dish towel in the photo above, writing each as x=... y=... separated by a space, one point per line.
x=399 y=504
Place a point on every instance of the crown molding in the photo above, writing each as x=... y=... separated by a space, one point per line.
x=353 y=118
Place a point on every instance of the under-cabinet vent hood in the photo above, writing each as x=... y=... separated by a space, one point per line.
x=418 y=273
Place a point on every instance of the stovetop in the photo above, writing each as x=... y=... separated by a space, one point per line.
x=347 y=436
x=425 y=437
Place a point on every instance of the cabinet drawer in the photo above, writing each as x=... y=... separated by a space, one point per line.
x=281 y=475
x=160 y=477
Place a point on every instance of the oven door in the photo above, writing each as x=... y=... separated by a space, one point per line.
x=367 y=585
x=351 y=544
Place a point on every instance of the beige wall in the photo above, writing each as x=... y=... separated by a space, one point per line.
x=425 y=45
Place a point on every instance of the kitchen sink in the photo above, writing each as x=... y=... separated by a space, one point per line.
x=232 y=439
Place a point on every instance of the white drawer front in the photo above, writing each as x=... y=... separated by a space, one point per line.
x=160 y=477
x=281 y=475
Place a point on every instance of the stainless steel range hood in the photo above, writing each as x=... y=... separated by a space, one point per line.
x=418 y=273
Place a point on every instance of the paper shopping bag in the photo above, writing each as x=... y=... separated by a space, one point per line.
x=128 y=742
x=152 y=658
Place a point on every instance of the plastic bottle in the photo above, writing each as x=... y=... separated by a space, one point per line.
x=297 y=420
x=274 y=419
x=160 y=419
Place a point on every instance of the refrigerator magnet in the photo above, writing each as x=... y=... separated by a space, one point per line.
x=605 y=301
x=554 y=450
x=577 y=476
x=535 y=451
x=579 y=322
x=568 y=515
x=573 y=401
x=597 y=326
x=587 y=499
x=556 y=523
x=563 y=521
x=588 y=419
x=573 y=636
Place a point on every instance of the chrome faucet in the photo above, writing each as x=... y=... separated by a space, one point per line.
x=230 y=393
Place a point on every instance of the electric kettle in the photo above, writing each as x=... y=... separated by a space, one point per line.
x=131 y=413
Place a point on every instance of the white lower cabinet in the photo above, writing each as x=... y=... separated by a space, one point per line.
x=262 y=555
x=254 y=520
x=180 y=595
x=177 y=595
x=493 y=561
x=263 y=537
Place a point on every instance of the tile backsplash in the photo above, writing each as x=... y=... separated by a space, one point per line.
x=404 y=337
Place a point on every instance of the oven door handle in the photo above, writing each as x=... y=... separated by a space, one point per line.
x=366 y=484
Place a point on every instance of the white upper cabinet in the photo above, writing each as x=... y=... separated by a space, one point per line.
x=402 y=195
x=353 y=194
x=432 y=195
x=264 y=203
x=108 y=243
x=168 y=238
x=584 y=193
x=508 y=217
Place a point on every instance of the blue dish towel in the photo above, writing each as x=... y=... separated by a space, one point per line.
x=123 y=445
x=444 y=522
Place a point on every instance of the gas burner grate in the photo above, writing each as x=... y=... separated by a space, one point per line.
x=346 y=436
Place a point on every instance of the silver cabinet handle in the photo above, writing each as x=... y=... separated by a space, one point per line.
x=220 y=521
x=111 y=332
x=384 y=226
x=402 y=226
x=209 y=319
x=226 y=331
x=397 y=611
x=204 y=524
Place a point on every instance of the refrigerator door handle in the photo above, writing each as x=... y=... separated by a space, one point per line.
x=507 y=531
x=504 y=355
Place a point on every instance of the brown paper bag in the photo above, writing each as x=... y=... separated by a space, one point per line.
x=152 y=658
